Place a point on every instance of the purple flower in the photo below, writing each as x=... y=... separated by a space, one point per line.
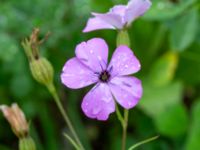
x=119 y=17
x=112 y=83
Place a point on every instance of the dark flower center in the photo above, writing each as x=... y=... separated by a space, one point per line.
x=104 y=76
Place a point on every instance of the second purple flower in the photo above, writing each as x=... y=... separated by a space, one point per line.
x=112 y=83
x=119 y=16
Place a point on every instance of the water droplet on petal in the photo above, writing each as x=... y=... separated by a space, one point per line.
x=91 y=51
x=106 y=99
x=99 y=57
x=129 y=103
x=96 y=110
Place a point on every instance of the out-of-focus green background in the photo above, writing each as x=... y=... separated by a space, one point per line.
x=166 y=40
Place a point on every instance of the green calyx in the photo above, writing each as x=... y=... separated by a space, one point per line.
x=27 y=143
x=123 y=38
x=40 y=67
x=42 y=71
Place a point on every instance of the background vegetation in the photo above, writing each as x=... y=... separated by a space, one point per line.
x=166 y=40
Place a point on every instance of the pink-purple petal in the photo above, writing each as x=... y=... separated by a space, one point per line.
x=119 y=10
x=124 y=62
x=96 y=23
x=111 y=18
x=126 y=90
x=98 y=103
x=93 y=53
x=76 y=75
x=136 y=8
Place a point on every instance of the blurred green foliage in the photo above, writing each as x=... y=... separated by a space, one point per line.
x=167 y=42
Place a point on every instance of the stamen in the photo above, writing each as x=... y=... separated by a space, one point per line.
x=104 y=76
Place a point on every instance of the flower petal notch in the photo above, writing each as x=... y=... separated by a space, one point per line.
x=112 y=81
x=118 y=17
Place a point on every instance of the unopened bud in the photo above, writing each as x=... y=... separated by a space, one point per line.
x=27 y=143
x=16 y=119
x=40 y=67
x=123 y=38
x=42 y=71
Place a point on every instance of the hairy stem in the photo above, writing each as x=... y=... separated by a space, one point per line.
x=52 y=90
x=119 y=115
x=125 y=124
x=72 y=141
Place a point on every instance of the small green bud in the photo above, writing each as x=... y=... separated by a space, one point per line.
x=40 y=67
x=42 y=71
x=123 y=38
x=27 y=143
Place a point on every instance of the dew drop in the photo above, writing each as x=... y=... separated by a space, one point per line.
x=106 y=99
x=129 y=103
x=96 y=110
x=99 y=57
x=91 y=52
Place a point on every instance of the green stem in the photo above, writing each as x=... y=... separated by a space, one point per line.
x=143 y=142
x=52 y=90
x=119 y=115
x=72 y=141
x=124 y=135
x=123 y=38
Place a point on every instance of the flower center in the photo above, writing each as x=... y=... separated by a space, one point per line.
x=104 y=76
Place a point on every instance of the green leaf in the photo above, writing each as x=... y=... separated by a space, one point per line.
x=143 y=142
x=163 y=104
x=165 y=10
x=184 y=31
x=162 y=72
x=189 y=66
x=192 y=142
x=173 y=121
x=160 y=98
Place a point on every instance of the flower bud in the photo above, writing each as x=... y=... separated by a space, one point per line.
x=40 y=67
x=42 y=71
x=123 y=38
x=27 y=143
x=16 y=119
x=19 y=125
